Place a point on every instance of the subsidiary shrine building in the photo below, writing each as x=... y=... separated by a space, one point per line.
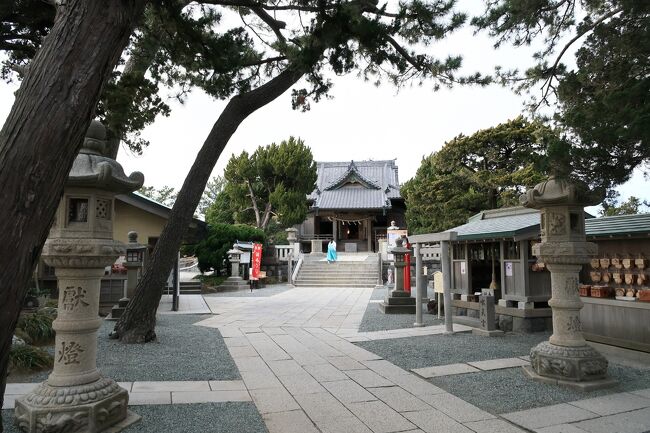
x=353 y=203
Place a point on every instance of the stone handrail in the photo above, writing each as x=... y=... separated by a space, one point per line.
x=296 y=269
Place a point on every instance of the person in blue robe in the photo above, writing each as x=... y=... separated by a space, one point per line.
x=331 y=252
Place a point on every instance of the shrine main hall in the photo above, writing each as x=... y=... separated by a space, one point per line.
x=353 y=204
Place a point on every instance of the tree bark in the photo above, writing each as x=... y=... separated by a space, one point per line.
x=138 y=322
x=42 y=135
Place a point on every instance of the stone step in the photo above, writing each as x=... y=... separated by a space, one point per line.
x=351 y=286
x=339 y=274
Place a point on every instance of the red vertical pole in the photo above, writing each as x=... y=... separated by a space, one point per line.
x=407 y=271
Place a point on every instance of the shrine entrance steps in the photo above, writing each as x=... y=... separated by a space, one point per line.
x=350 y=270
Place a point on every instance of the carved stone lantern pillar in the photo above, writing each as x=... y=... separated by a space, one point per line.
x=398 y=300
x=135 y=256
x=566 y=358
x=234 y=255
x=76 y=397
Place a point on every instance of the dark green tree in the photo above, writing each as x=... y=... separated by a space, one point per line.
x=211 y=251
x=337 y=36
x=272 y=182
x=43 y=132
x=612 y=206
x=165 y=195
x=603 y=101
x=486 y=170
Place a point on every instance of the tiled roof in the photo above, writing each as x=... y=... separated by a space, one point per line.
x=511 y=222
x=618 y=225
x=372 y=185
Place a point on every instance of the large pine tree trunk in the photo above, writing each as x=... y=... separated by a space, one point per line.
x=42 y=135
x=138 y=322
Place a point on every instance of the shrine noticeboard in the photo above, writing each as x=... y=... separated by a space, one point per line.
x=392 y=235
x=257 y=261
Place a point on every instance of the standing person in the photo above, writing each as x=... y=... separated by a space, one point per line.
x=331 y=252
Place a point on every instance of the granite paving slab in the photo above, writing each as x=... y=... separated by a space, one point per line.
x=637 y=421
x=613 y=403
x=434 y=421
x=560 y=428
x=348 y=391
x=147 y=398
x=273 y=400
x=380 y=417
x=184 y=397
x=549 y=415
x=294 y=421
x=444 y=370
x=456 y=408
x=399 y=399
x=171 y=386
x=496 y=364
x=493 y=426
x=368 y=378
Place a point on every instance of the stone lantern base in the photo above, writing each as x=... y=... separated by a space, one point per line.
x=100 y=406
x=580 y=367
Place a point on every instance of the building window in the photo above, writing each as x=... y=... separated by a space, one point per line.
x=459 y=252
x=511 y=250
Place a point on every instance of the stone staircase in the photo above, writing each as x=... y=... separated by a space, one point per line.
x=351 y=270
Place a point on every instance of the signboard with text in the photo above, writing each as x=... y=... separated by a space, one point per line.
x=257 y=261
x=392 y=235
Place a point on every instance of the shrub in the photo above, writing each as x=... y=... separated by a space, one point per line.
x=38 y=325
x=29 y=358
x=211 y=251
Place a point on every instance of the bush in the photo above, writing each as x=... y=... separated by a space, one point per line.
x=29 y=358
x=38 y=325
x=211 y=251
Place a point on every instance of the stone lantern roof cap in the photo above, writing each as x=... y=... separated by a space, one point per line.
x=93 y=169
x=559 y=192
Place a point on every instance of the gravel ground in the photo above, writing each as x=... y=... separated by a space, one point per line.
x=375 y=320
x=509 y=390
x=240 y=417
x=264 y=292
x=430 y=350
x=182 y=352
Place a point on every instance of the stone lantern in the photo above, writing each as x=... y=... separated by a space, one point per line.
x=399 y=301
x=234 y=281
x=234 y=255
x=566 y=358
x=76 y=397
x=135 y=256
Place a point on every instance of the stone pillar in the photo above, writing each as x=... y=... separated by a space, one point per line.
x=335 y=230
x=316 y=246
x=565 y=358
x=419 y=289
x=76 y=397
x=445 y=264
x=487 y=317
x=397 y=300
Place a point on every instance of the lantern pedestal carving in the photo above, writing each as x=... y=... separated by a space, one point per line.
x=76 y=397
x=565 y=359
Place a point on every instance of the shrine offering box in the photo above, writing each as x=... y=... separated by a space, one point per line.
x=585 y=290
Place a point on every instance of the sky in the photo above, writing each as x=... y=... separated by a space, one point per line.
x=361 y=121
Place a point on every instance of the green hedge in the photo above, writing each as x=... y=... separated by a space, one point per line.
x=212 y=251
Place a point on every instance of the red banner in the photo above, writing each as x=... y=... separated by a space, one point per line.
x=257 y=261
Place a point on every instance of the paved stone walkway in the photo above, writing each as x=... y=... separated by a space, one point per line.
x=298 y=364
x=471 y=367
x=172 y=392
